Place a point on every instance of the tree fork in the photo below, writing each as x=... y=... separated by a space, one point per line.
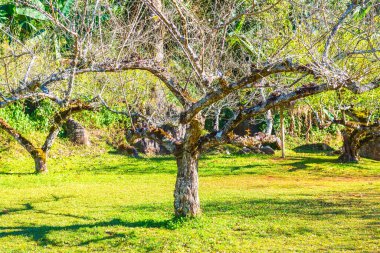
x=39 y=155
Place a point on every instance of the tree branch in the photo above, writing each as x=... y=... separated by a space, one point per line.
x=255 y=76
x=248 y=12
x=61 y=117
x=17 y=136
x=335 y=30
x=276 y=99
x=147 y=65
x=183 y=42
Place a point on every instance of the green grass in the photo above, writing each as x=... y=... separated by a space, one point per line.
x=94 y=200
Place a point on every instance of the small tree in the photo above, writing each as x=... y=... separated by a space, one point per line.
x=31 y=64
x=40 y=154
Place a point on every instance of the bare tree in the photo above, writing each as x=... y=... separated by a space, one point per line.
x=54 y=76
x=216 y=71
x=203 y=65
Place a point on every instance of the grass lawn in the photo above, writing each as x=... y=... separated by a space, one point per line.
x=98 y=201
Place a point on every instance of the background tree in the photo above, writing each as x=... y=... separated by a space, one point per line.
x=73 y=31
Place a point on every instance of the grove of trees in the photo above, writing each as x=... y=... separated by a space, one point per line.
x=181 y=63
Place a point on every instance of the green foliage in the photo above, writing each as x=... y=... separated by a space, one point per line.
x=29 y=117
x=23 y=22
x=361 y=12
x=41 y=113
x=102 y=119
x=16 y=117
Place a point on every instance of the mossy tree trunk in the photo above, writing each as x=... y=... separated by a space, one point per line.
x=354 y=139
x=350 y=150
x=40 y=157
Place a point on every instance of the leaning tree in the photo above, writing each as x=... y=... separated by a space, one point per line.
x=46 y=62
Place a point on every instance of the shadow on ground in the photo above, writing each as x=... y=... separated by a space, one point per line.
x=264 y=209
x=305 y=163
x=314 y=148
x=309 y=162
x=16 y=173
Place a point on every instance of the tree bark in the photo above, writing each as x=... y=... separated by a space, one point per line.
x=292 y=123
x=269 y=122
x=282 y=133
x=217 y=118
x=186 y=198
x=268 y=116
x=350 y=149
x=39 y=157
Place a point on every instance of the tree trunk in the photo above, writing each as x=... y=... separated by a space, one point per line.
x=186 y=199
x=269 y=122
x=350 y=149
x=39 y=157
x=308 y=125
x=217 y=118
x=282 y=133
x=268 y=116
x=292 y=123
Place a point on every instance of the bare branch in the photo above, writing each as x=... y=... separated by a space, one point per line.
x=249 y=12
x=335 y=30
x=254 y=77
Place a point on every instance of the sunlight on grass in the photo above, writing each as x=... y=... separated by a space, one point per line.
x=99 y=201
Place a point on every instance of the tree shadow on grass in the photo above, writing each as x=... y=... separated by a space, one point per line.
x=134 y=169
x=167 y=165
x=17 y=173
x=225 y=170
x=263 y=209
x=308 y=209
x=40 y=233
x=30 y=207
x=307 y=162
x=314 y=148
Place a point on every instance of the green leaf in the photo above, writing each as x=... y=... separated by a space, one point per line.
x=240 y=25
x=67 y=7
x=359 y=14
x=329 y=114
x=37 y=3
x=3 y=16
x=9 y=9
x=29 y=12
x=29 y=25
